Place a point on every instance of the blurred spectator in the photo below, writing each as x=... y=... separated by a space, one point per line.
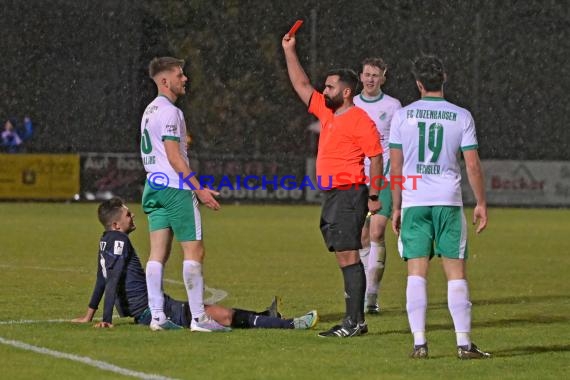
x=11 y=141
x=27 y=129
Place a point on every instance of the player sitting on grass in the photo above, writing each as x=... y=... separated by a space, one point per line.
x=120 y=276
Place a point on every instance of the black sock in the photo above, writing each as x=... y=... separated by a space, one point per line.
x=245 y=319
x=354 y=287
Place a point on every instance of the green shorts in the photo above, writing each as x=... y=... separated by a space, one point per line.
x=427 y=230
x=175 y=209
x=386 y=199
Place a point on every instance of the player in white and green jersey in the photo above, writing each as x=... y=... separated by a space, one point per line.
x=380 y=107
x=170 y=197
x=161 y=121
x=426 y=140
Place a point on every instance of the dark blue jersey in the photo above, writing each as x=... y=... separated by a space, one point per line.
x=120 y=276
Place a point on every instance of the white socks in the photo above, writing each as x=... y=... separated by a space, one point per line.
x=194 y=281
x=192 y=274
x=364 y=252
x=154 y=287
x=460 y=310
x=416 y=305
x=457 y=301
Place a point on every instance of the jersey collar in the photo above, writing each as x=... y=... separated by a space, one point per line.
x=371 y=100
x=434 y=98
x=165 y=97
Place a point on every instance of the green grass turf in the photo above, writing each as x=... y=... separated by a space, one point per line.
x=517 y=270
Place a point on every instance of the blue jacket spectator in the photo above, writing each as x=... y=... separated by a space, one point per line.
x=11 y=141
x=28 y=129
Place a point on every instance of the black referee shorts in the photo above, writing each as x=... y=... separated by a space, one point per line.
x=342 y=217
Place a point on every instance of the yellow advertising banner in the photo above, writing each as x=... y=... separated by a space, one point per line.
x=39 y=176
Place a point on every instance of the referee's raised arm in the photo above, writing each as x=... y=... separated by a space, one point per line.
x=297 y=75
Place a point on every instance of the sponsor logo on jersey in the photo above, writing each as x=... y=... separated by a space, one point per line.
x=383 y=116
x=172 y=129
x=119 y=245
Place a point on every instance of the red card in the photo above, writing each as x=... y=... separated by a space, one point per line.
x=295 y=27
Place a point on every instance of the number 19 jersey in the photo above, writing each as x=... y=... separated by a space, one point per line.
x=431 y=132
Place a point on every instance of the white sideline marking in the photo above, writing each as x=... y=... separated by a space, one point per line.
x=26 y=321
x=29 y=321
x=82 y=359
x=216 y=295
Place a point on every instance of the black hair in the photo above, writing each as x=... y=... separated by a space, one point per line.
x=346 y=76
x=429 y=71
x=109 y=210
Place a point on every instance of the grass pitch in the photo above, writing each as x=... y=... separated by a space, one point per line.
x=517 y=271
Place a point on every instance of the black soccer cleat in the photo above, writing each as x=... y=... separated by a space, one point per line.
x=473 y=352
x=373 y=309
x=273 y=309
x=420 y=352
x=348 y=329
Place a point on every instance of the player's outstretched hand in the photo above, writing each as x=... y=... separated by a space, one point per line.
x=88 y=317
x=396 y=220
x=206 y=196
x=480 y=214
x=103 y=325
x=84 y=319
x=374 y=206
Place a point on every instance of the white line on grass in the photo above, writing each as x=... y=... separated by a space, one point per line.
x=30 y=321
x=82 y=359
x=27 y=321
x=216 y=295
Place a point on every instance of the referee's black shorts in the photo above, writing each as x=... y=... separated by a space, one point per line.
x=342 y=217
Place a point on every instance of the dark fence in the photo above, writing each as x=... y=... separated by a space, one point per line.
x=78 y=68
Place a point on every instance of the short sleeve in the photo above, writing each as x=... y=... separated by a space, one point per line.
x=368 y=137
x=469 y=138
x=318 y=107
x=395 y=138
x=171 y=125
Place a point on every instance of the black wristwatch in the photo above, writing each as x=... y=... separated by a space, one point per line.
x=373 y=197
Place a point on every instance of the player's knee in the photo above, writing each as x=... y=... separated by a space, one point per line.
x=240 y=319
x=226 y=317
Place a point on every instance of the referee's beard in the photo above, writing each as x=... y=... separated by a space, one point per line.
x=334 y=103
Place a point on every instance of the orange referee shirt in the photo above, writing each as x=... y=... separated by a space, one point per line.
x=344 y=141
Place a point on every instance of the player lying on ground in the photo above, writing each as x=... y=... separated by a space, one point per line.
x=121 y=278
